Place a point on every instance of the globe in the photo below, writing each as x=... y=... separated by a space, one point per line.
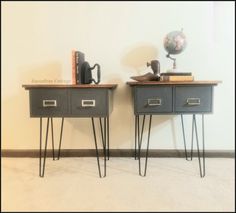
x=175 y=42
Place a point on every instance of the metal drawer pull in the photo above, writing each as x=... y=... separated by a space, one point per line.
x=88 y=103
x=193 y=101
x=49 y=103
x=154 y=102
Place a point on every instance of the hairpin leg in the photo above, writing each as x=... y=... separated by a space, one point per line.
x=40 y=145
x=105 y=135
x=108 y=138
x=202 y=170
x=185 y=149
x=53 y=156
x=41 y=170
x=101 y=128
x=59 y=149
x=104 y=138
x=140 y=137
x=135 y=138
x=194 y=129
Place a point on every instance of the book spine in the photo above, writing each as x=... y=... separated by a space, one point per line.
x=79 y=59
x=177 y=78
x=176 y=73
x=73 y=68
x=76 y=67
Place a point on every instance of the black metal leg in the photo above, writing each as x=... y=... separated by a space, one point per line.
x=95 y=140
x=149 y=130
x=40 y=145
x=59 y=149
x=41 y=170
x=104 y=137
x=140 y=137
x=194 y=128
x=53 y=156
x=101 y=128
x=192 y=137
x=42 y=165
x=185 y=149
x=108 y=138
x=135 y=138
x=105 y=145
x=203 y=146
x=202 y=171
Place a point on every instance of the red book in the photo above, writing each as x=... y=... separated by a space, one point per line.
x=73 y=67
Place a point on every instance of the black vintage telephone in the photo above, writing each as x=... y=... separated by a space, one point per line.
x=86 y=74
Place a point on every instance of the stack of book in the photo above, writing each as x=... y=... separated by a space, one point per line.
x=77 y=61
x=177 y=76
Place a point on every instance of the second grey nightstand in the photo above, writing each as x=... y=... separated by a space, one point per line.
x=155 y=98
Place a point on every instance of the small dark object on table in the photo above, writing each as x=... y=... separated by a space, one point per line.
x=155 y=76
x=146 y=77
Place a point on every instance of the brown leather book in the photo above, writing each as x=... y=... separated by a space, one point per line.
x=177 y=78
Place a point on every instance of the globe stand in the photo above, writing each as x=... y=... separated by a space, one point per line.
x=174 y=64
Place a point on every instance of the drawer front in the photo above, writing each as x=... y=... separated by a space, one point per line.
x=157 y=99
x=48 y=102
x=193 y=99
x=89 y=102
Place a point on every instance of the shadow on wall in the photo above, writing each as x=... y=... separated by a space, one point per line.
x=137 y=56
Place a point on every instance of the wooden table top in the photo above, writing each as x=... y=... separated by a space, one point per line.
x=37 y=86
x=137 y=83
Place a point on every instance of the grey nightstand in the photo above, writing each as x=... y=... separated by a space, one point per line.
x=155 y=98
x=62 y=101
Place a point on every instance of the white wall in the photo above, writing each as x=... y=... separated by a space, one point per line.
x=38 y=37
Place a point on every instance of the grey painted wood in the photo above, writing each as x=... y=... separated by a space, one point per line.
x=200 y=98
x=89 y=102
x=38 y=96
x=70 y=102
x=153 y=99
x=175 y=99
